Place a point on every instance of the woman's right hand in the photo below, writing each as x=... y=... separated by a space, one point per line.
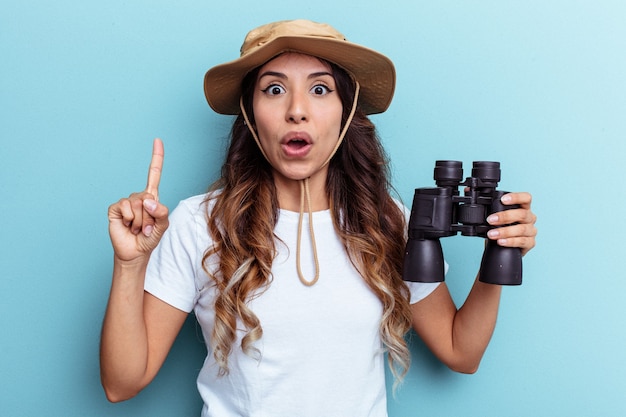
x=137 y=223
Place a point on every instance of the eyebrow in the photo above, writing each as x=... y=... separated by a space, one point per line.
x=284 y=76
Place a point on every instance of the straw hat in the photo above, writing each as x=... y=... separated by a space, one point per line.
x=374 y=71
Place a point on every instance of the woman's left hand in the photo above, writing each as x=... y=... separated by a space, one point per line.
x=522 y=231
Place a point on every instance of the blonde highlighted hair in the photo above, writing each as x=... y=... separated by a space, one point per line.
x=367 y=219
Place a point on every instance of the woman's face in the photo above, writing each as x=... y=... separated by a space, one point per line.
x=297 y=113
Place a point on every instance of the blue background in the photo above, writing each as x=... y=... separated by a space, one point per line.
x=537 y=85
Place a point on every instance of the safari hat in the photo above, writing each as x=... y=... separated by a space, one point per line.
x=373 y=71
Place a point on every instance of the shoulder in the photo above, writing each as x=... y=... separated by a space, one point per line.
x=404 y=209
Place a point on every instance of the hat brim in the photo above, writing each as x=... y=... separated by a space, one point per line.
x=374 y=71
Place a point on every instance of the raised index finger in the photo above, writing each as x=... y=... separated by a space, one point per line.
x=156 y=166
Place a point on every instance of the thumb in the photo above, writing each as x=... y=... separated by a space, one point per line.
x=159 y=213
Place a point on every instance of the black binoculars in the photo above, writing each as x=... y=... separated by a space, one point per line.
x=441 y=212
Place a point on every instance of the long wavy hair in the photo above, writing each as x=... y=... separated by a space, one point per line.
x=367 y=219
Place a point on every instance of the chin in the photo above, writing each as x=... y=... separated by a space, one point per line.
x=294 y=174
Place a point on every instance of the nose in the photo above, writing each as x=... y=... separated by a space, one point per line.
x=297 y=111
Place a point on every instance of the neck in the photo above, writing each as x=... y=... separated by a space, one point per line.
x=289 y=192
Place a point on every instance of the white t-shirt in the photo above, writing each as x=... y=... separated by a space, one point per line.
x=320 y=354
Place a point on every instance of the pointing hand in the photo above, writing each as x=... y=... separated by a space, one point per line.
x=137 y=223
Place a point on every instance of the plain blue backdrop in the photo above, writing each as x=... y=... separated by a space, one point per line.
x=538 y=85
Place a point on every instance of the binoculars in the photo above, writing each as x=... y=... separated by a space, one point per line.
x=441 y=212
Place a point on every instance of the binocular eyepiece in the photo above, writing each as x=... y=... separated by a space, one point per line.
x=441 y=212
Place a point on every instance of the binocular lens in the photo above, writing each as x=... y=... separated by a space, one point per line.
x=448 y=172
x=486 y=171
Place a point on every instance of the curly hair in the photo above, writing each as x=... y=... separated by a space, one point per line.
x=368 y=221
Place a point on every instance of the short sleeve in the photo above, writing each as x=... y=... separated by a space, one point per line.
x=171 y=271
x=421 y=290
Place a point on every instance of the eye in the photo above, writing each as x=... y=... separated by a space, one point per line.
x=320 y=90
x=273 y=90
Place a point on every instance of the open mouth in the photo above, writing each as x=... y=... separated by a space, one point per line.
x=297 y=146
x=297 y=143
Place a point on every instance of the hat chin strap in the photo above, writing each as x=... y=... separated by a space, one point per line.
x=305 y=194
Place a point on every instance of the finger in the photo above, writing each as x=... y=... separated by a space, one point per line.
x=156 y=210
x=136 y=206
x=126 y=212
x=147 y=224
x=158 y=220
x=150 y=210
x=518 y=236
x=156 y=167
x=518 y=230
x=503 y=217
x=120 y=213
x=523 y=199
x=511 y=216
x=143 y=220
x=524 y=243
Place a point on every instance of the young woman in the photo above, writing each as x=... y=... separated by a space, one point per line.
x=292 y=262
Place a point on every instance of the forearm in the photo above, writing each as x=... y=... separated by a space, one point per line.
x=473 y=326
x=138 y=328
x=124 y=342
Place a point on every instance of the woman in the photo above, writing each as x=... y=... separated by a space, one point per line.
x=292 y=262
